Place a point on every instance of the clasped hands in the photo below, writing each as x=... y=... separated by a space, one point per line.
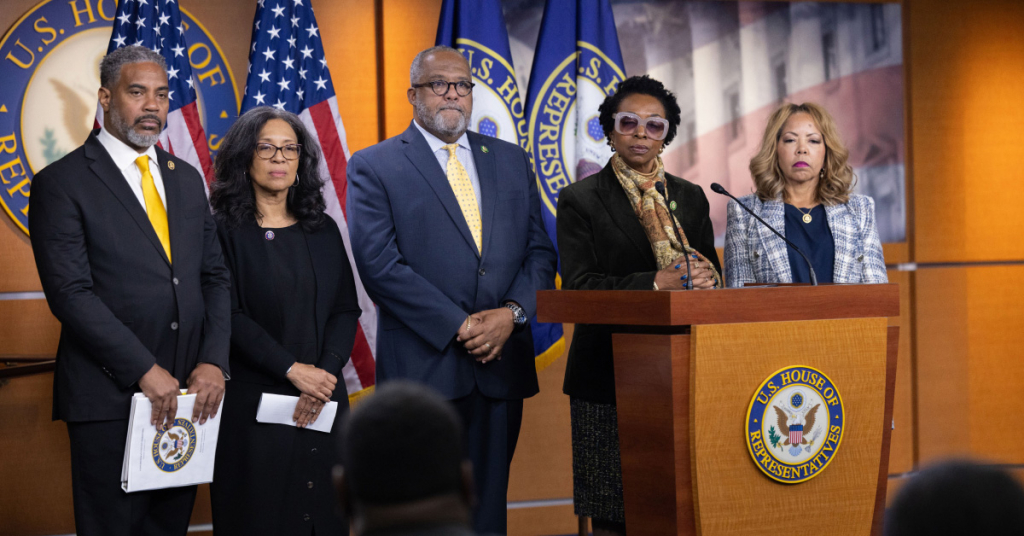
x=162 y=389
x=674 y=277
x=316 y=385
x=484 y=333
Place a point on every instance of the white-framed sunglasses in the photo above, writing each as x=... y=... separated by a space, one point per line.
x=626 y=124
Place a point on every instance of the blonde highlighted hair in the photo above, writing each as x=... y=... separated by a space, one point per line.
x=834 y=187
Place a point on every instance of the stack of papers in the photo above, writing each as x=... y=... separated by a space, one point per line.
x=279 y=409
x=181 y=456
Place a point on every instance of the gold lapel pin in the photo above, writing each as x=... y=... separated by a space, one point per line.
x=170 y=165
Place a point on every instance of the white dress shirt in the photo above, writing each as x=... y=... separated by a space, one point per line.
x=463 y=152
x=124 y=158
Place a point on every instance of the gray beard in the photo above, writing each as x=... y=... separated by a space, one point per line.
x=436 y=123
x=144 y=141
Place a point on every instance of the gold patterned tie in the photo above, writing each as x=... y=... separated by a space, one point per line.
x=154 y=206
x=463 y=189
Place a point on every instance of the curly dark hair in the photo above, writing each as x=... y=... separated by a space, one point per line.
x=231 y=193
x=641 y=85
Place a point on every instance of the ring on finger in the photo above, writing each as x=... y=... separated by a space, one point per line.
x=488 y=345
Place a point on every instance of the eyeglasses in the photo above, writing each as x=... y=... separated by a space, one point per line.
x=441 y=87
x=626 y=124
x=267 y=151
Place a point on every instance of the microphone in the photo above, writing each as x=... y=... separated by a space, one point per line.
x=660 y=187
x=717 y=188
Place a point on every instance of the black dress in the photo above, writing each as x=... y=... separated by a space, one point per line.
x=293 y=300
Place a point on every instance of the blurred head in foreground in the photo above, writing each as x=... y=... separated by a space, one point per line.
x=958 y=497
x=402 y=462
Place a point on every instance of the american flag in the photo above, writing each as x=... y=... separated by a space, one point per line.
x=288 y=70
x=156 y=24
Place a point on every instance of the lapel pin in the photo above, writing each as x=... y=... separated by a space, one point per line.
x=484 y=149
x=170 y=165
x=672 y=205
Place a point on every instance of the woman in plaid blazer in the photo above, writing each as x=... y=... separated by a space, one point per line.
x=803 y=189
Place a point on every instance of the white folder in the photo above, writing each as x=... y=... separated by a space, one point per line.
x=180 y=456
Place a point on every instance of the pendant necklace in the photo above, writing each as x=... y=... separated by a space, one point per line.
x=807 y=215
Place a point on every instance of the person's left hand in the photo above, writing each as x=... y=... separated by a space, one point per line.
x=488 y=333
x=307 y=411
x=207 y=383
x=702 y=272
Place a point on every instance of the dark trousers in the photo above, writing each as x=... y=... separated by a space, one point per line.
x=102 y=508
x=492 y=431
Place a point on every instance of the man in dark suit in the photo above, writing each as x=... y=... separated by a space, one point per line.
x=128 y=256
x=447 y=234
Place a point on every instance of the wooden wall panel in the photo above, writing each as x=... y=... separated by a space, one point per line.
x=901 y=450
x=409 y=27
x=35 y=464
x=349 y=36
x=27 y=328
x=543 y=521
x=967 y=75
x=970 y=325
x=542 y=466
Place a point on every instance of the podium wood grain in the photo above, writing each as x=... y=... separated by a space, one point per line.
x=735 y=497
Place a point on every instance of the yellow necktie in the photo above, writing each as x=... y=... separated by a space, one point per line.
x=154 y=206
x=463 y=189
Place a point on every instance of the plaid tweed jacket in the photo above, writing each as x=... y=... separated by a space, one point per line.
x=753 y=254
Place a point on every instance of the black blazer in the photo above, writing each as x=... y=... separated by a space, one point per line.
x=122 y=305
x=603 y=246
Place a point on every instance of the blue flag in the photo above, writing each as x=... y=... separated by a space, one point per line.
x=477 y=29
x=576 y=65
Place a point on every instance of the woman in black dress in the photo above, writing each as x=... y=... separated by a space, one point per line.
x=616 y=231
x=294 y=314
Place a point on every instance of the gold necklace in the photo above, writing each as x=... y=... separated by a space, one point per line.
x=807 y=215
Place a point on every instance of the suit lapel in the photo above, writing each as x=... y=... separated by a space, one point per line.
x=774 y=213
x=617 y=206
x=174 y=208
x=418 y=153
x=488 y=176
x=106 y=171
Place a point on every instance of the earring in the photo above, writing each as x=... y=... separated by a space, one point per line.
x=612 y=147
x=661 y=150
x=296 y=181
x=821 y=174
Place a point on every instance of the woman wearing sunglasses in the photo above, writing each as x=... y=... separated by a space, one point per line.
x=294 y=313
x=804 y=188
x=617 y=231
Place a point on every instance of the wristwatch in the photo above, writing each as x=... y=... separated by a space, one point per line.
x=519 y=315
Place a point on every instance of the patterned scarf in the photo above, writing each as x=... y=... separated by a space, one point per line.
x=654 y=215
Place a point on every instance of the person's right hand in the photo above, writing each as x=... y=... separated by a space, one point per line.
x=315 y=382
x=673 y=276
x=162 y=390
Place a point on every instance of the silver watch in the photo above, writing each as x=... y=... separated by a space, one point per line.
x=519 y=314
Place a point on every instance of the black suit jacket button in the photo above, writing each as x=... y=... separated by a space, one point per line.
x=305 y=517
x=482 y=272
x=174 y=325
x=309 y=485
x=175 y=280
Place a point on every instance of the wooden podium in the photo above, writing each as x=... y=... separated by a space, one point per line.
x=687 y=365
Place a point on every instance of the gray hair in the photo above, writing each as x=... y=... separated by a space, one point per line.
x=110 y=67
x=416 y=70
